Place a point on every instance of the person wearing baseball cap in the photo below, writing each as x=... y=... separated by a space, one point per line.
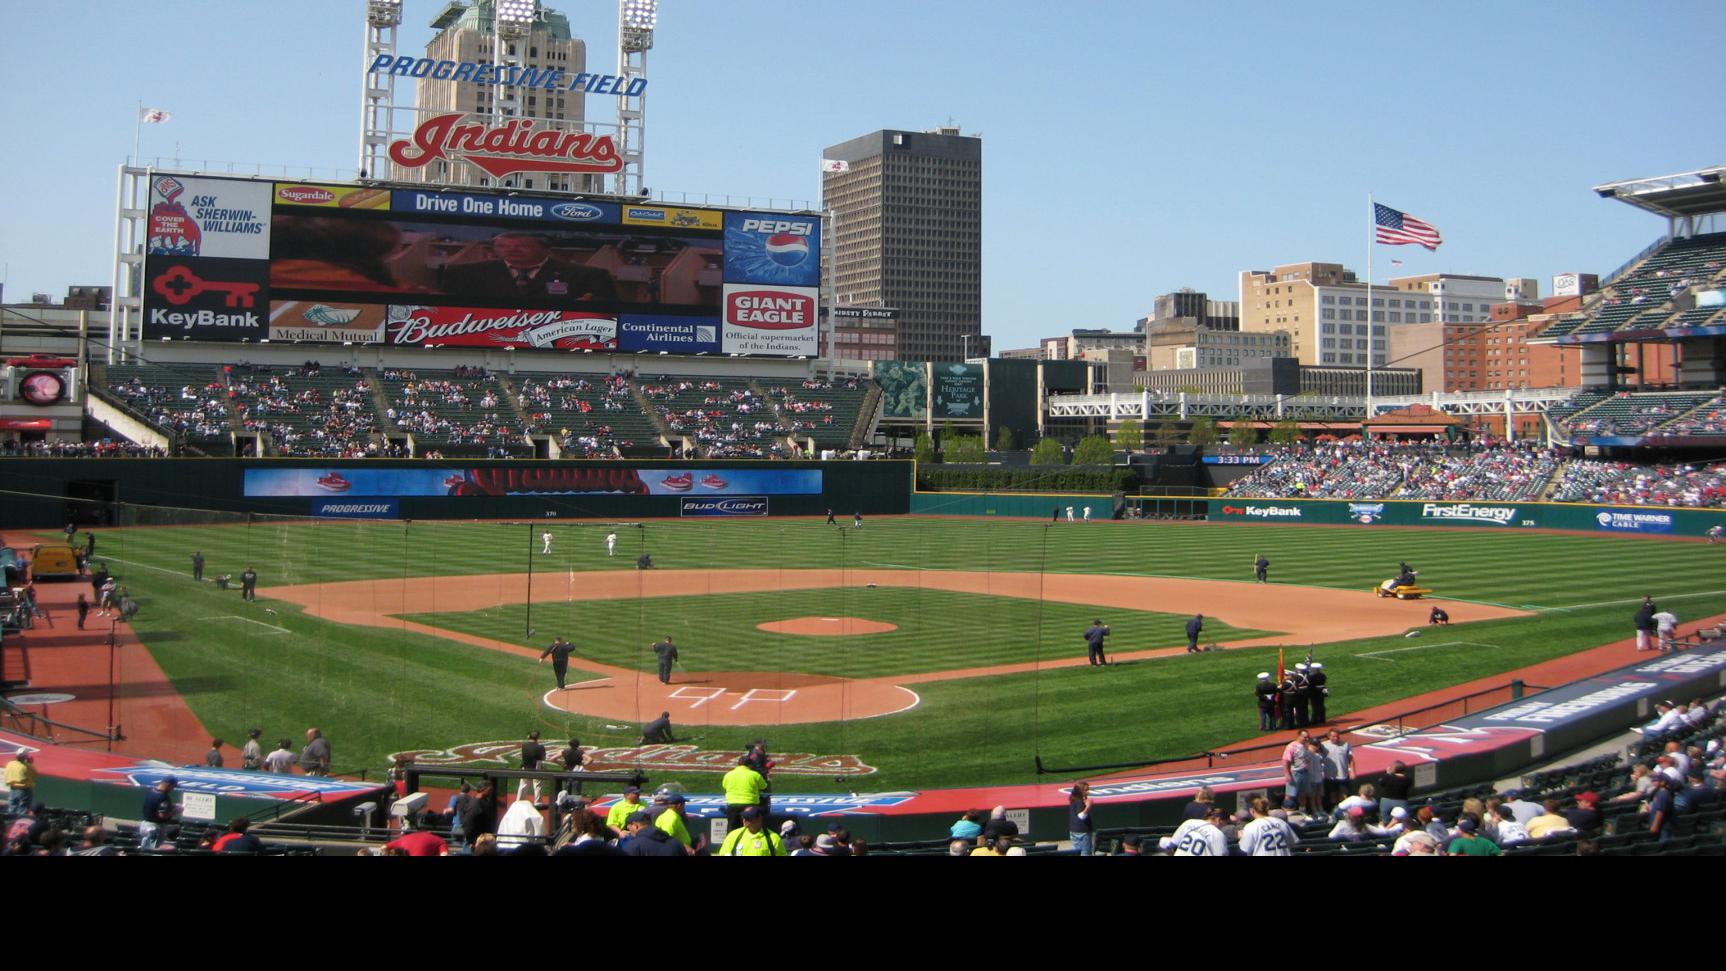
x=618 y=816
x=643 y=838
x=21 y=780
x=671 y=821
x=1468 y=843
x=753 y=838
x=252 y=756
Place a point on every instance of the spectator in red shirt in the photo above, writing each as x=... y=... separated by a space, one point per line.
x=423 y=841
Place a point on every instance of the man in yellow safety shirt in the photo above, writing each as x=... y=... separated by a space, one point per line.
x=743 y=786
x=669 y=806
x=753 y=839
x=617 y=818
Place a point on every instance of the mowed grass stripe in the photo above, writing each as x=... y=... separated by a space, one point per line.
x=938 y=630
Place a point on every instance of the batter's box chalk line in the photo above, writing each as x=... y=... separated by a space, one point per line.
x=1378 y=655
x=701 y=696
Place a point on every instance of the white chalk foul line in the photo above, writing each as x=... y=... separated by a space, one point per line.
x=248 y=620
x=1377 y=655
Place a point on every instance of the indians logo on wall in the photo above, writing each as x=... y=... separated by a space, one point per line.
x=1366 y=513
x=516 y=146
x=682 y=758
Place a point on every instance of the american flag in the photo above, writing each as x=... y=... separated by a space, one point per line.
x=1399 y=228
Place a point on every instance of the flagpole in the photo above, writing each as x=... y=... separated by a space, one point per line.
x=1370 y=223
x=137 y=132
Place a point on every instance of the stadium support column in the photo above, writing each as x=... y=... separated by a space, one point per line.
x=377 y=88
x=636 y=20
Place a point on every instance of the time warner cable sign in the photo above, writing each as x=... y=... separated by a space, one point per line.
x=1628 y=521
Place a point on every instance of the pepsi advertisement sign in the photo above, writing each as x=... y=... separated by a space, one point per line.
x=701 y=506
x=772 y=248
x=673 y=335
x=486 y=206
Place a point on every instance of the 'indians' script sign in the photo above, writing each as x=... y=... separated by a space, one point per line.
x=507 y=149
x=683 y=758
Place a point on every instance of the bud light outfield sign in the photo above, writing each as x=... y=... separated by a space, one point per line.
x=701 y=506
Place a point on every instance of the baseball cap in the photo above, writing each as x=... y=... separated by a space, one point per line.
x=1465 y=826
x=634 y=789
x=1356 y=811
x=825 y=844
x=644 y=817
x=753 y=812
x=676 y=797
x=788 y=827
x=1399 y=813
x=1591 y=797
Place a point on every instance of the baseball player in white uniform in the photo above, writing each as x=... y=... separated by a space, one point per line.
x=1087 y=514
x=610 y=544
x=1267 y=835
x=545 y=537
x=1069 y=514
x=1202 y=837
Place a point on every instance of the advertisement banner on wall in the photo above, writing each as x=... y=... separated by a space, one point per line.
x=331 y=196
x=337 y=323
x=958 y=391
x=674 y=218
x=345 y=509
x=1633 y=521
x=905 y=387
x=205 y=298
x=770 y=320
x=227 y=218
x=772 y=248
x=351 y=483
x=562 y=330
x=716 y=506
x=493 y=206
x=652 y=333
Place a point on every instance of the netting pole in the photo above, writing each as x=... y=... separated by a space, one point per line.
x=528 y=623
x=1037 y=688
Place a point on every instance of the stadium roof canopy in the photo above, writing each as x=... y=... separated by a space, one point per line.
x=1682 y=196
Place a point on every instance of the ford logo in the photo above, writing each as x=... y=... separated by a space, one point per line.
x=577 y=211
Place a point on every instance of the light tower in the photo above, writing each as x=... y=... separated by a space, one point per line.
x=635 y=22
x=378 y=91
x=511 y=22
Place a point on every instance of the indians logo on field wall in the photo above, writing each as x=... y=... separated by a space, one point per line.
x=680 y=758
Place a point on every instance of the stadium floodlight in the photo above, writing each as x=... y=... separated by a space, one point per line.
x=640 y=14
x=384 y=13
x=516 y=11
x=635 y=22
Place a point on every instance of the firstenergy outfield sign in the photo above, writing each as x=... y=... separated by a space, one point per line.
x=1496 y=515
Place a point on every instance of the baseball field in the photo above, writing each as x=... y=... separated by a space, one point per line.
x=911 y=653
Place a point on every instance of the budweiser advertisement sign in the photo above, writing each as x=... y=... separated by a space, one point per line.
x=480 y=327
x=501 y=150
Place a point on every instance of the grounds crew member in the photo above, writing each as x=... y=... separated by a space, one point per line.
x=753 y=839
x=1261 y=569
x=1195 y=627
x=559 y=652
x=669 y=806
x=743 y=786
x=667 y=653
x=1094 y=643
x=1266 y=690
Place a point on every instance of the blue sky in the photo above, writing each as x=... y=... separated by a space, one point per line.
x=1129 y=149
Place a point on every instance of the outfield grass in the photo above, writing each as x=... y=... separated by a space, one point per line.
x=938 y=630
x=377 y=691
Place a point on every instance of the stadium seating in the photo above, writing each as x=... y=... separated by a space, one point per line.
x=821 y=410
x=461 y=412
x=1382 y=470
x=1632 y=414
x=592 y=417
x=307 y=411
x=186 y=402
x=726 y=417
x=1642 y=298
x=1621 y=483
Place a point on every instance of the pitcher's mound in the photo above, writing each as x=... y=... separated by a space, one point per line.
x=826 y=626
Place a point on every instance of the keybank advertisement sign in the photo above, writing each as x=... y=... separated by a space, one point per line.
x=1633 y=521
x=1254 y=511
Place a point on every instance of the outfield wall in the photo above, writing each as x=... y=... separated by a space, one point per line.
x=449 y=489
x=1647 y=520
x=1023 y=505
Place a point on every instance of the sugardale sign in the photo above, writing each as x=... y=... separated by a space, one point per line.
x=501 y=150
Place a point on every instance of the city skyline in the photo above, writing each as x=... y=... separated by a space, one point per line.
x=1179 y=152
